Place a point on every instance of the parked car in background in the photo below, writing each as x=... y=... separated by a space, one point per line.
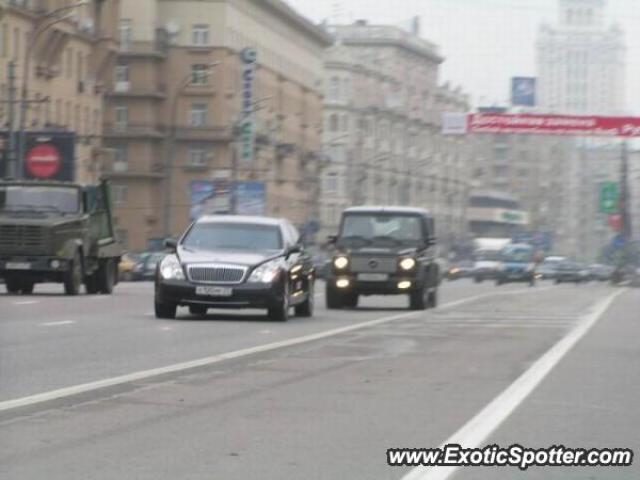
x=570 y=272
x=145 y=269
x=486 y=265
x=461 y=269
x=549 y=267
x=321 y=260
x=600 y=273
x=127 y=263
x=517 y=264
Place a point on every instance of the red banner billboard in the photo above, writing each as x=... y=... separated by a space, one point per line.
x=592 y=126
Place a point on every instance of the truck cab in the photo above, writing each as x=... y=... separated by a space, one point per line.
x=383 y=251
x=53 y=231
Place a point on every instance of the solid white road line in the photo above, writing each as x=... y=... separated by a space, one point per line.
x=26 y=302
x=179 y=367
x=55 y=324
x=476 y=430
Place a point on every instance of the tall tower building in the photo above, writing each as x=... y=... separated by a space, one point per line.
x=581 y=61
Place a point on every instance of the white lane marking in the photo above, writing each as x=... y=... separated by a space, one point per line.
x=178 y=367
x=55 y=324
x=491 y=417
x=26 y=302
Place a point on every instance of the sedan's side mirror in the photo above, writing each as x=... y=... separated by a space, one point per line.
x=171 y=244
x=294 y=249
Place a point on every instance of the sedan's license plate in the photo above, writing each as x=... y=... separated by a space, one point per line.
x=373 y=277
x=17 y=266
x=214 y=291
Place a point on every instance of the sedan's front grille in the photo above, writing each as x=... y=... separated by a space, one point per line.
x=216 y=273
x=374 y=264
x=14 y=237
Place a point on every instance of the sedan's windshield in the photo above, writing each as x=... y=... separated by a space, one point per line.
x=233 y=236
x=381 y=228
x=22 y=198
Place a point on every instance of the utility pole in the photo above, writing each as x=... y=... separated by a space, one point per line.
x=12 y=168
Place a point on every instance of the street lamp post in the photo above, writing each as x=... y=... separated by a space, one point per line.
x=171 y=145
x=24 y=90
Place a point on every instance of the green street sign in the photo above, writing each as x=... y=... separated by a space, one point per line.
x=609 y=197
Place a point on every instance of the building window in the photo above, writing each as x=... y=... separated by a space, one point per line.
x=4 y=41
x=198 y=115
x=125 y=34
x=200 y=35
x=16 y=43
x=119 y=194
x=330 y=184
x=199 y=74
x=197 y=157
x=121 y=76
x=122 y=117
x=121 y=158
x=334 y=88
x=333 y=123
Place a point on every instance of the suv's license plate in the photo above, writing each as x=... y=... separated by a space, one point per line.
x=17 y=266
x=373 y=277
x=214 y=291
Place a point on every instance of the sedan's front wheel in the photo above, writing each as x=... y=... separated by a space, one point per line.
x=305 y=309
x=280 y=312
x=165 y=310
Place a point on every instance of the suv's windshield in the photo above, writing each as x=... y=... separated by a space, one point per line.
x=233 y=236
x=373 y=228
x=23 y=198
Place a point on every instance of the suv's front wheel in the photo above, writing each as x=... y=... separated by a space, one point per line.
x=418 y=298
x=333 y=297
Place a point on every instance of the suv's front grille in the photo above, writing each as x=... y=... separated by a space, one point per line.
x=216 y=273
x=22 y=237
x=374 y=264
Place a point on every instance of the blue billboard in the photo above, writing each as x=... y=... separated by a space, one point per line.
x=523 y=91
x=250 y=198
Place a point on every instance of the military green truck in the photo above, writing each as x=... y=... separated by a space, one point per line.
x=53 y=231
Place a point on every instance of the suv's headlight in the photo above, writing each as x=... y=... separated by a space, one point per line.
x=170 y=268
x=266 y=273
x=341 y=262
x=407 y=263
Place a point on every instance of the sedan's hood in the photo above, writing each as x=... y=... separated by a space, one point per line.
x=225 y=256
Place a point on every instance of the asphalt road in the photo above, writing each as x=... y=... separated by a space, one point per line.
x=319 y=398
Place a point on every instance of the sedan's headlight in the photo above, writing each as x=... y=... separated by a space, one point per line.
x=170 y=268
x=407 y=263
x=266 y=273
x=341 y=262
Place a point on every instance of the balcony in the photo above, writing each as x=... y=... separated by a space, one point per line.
x=127 y=90
x=203 y=134
x=143 y=49
x=132 y=130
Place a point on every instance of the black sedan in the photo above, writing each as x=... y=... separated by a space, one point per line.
x=236 y=262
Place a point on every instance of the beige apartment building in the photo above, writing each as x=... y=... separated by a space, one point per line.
x=68 y=61
x=175 y=106
x=383 y=132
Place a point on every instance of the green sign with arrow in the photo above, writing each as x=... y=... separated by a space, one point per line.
x=609 y=197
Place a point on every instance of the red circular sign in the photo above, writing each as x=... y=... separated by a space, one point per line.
x=43 y=161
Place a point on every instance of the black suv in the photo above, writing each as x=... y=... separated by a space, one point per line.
x=236 y=262
x=384 y=251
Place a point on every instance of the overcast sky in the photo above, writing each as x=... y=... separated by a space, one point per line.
x=485 y=42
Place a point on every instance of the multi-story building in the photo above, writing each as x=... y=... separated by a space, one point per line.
x=581 y=70
x=581 y=61
x=176 y=103
x=382 y=136
x=63 y=51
